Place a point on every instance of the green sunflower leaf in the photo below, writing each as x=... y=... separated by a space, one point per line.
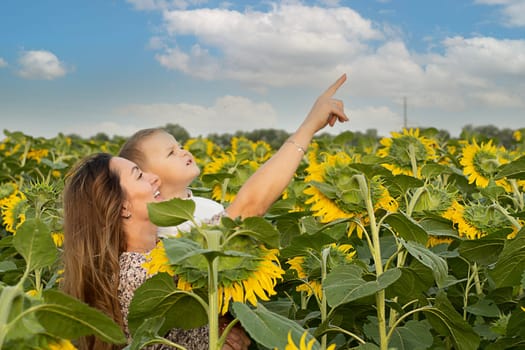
x=269 y=329
x=446 y=321
x=437 y=226
x=158 y=296
x=33 y=241
x=512 y=170
x=511 y=263
x=179 y=250
x=434 y=169
x=146 y=332
x=260 y=229
x=406 y=228
x=219 y=177
x=437 y=264
x=345 y=284
x=484 y=251
x=66 y=317
x=17 y=302
x=400 y=184
x=172 y=212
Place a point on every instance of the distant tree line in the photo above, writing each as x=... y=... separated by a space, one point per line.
x=275 y=138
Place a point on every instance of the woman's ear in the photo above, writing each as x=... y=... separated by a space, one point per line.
x=125 y=212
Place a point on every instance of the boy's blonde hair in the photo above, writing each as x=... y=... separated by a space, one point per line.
x=132 y=148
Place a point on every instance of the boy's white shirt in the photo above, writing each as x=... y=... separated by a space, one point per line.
x=205 y=209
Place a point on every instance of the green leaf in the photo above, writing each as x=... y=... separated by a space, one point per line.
x=414 y=335
x=483 y=251
x=147 y=332
x=446 y=321
x=345 y=284
x=366 y=346
x=66 y=317
x=438 y=227
x=511 y=263
x=484 y=307
x=7 y=265
x=207 y=178
x=33 y=241
x=181 y=249
x=370 y=170
x=269 y=329
x=303 y=243
x=516 y=323
x=400 y=184
x=415 y=280
x=158 y=296
x=262 y=230
x=24 y=327
x=512 y=170
x=172 y=212
x=406 y=228
x=437 y=264
x=434 y=169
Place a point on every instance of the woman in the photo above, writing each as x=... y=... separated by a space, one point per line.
x=106 y=233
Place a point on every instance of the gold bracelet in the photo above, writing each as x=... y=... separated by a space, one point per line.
x=299 y=147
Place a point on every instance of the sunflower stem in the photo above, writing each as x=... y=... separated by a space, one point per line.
x=517 y=193
x=413 y=160
x=213 y=239
x=507 y=215
x=376 y=254
x=324 y=304
x=414 y=199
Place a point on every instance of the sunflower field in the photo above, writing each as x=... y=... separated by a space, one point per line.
x=405 y=242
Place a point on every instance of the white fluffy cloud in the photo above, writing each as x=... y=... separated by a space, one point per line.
x=40 y=64
x=227 y=114
x=291 y=43
x=296 y=45
x=513 y=11
x=3 y=63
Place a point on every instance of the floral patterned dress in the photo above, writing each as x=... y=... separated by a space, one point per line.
x=132 y=275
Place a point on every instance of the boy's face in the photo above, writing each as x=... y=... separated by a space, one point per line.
x=174 y=165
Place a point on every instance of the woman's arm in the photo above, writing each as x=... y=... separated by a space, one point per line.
x=269 y=181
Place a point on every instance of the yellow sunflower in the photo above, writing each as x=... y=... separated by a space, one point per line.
x=246 y=282
x=157 y=261
x=62 y=344
x=437 y=240
x=37 y=154
x=480 y=163
x=303 y=345
x=13 y=210
x=475 y=220
x=260 y=284
x=334 y=192
x=306 y=267
x=224 y=189
x=407 y=152
x=58 y=238
x=517 y=135
x=202 y=149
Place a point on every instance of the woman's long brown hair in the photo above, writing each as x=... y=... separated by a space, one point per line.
x=93 y=239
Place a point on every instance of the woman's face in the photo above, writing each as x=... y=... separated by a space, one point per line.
x=139 y=187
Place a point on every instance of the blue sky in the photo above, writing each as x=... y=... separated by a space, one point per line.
x=113 y=66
